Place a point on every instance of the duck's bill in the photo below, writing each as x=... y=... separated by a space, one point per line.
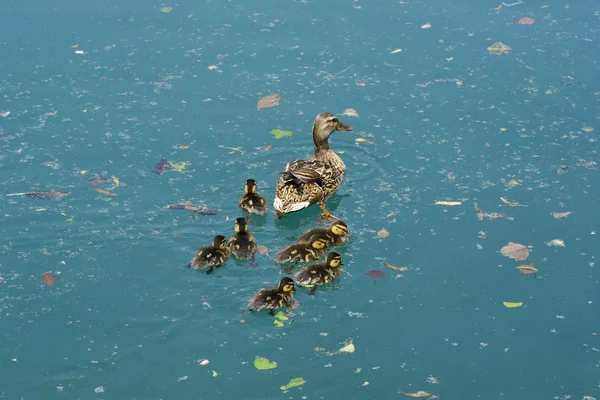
x=344 y=127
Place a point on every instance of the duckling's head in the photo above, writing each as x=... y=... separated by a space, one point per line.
x=339 y=228
x=219 y=242
x=319 y=244
x=334 y=260
x=250 y=186
x=325 y=124
x=286 y=285
x=241 y=225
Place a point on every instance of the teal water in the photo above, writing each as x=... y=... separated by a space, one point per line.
x=126 y=320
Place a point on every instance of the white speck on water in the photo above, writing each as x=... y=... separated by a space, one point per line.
x=183 y=378
x=99 y=389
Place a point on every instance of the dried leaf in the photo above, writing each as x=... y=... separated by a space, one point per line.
x=49 y=279
x=426 y=26
x=498 y=8
x=161 y=166
x=448 y=203
x=499 y=48
x=166 y=9
x=418 y=394
x=262 y=249
x=49 y=195
x=361 y=140
x=375 y=274
x=512 y=305
x=116 y=181
x=183 y=146
x=102 y=191
x=293 y=383
x=268 y=101
x=278 y=133
x=511 y=203
x=395 y=51
x=527 y=269
x=515 y=251
x=556 y=242
x=383 y=233
x=349 y=348
x=212 y=67
x=526 y=21
x=95 y=181
x=263 y=363
x=350 y=112
x=560 y=215
x=192 y=208
x=397 y=268
x=267 y=147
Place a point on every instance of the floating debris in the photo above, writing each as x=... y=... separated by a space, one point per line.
x=95 y=181
x=102 y=191
x=161 y=166
x=191 y=207
x=49 y=195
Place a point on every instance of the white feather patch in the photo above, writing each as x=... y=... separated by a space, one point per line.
x=278 y=205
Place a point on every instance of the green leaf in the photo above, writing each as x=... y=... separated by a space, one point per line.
x=293 y=383
x=179 y=167
x=527 y=267
x=278 y=323
x=512 y=305
x=281 y=316
x=263 y=363
x=278 y=133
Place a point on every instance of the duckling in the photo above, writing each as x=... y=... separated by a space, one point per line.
x=335 y=234
x=275 y=297
x=211 y=256
x=242 y=245
x=251 y=201
x=301 y=252
x=317 y=274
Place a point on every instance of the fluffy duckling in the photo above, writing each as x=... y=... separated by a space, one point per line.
x=242 y=245
x=273 y=298
x=211 y=256
x=317 y=274
x=334 y=234
x=301 y=252
x=251 y=201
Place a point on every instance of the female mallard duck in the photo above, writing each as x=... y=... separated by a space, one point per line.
x=272 y=298
x=334 y=234
x=251 y=201
x=211 y=256
x=242 y=245
x=301 y=252
x=306 y=182
x=317 y=274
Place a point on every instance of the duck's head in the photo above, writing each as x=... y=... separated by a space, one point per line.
x=250 y=186
x=339 y=228
x=286 y=285
x=334 y=260
x=325 y=124
x=241 y=226
x=219 y=242
x=319 y=243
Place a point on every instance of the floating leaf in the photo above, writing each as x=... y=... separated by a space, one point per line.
x=278 y=323
x=515 y=251
x=161 y=166
x=426 y=26
x=268 y=101
x=560 y=215
x=293 y=383
x=375 y=274
x=49 y=279
x=95 y=181
x=102 y=191
x=263 y=363
x=349 y=348
x=498 y=8
x=527 y=269
x=383 y=233
x=166 y=9
x=362 y=140
x=278 y=133
x=397 y=268
x=556 y=242
x=350 y=112
x=49 y=195
x=267 y=147
x=192 y=208
x=179 y=167
x=448 y=203
x=215 y=373
x=512 y=305
x=499 y=48
x=587 y=129
x=418 y=394
x=526 y=21
x=395 y=51
x=281 y=316
x=262 y=249
x=511 y=203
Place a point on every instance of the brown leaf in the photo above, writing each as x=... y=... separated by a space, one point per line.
x=271 y=100
x=102 y=191
x=95 y=181
x=418 y=394
x=515 y=251
x=560 y=215
x=350 y=112
x=267 y=147
x=383 y=233
x=49 y=279
x=375 y=274
x=262 y=249
x=397 y=268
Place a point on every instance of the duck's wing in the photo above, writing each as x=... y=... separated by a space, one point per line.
x=303 y=171
x=299 y=185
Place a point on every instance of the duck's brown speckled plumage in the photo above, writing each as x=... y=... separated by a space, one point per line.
x=211 y=256
x=281 y=295
x=302 y=252
x=242 y=245
x=320 y=273
x=251 y=201
x=306 y=182
x=335 y=234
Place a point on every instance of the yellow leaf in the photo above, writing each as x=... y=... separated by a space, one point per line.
x=395 y=51
x=349 y=348
x=502 y=129
x=215 y=373
x=166 y=9
x=191 y=15
x=83 y=172
x=587 y=129
x=512 y=305
x=116 y=181
x=361 y=140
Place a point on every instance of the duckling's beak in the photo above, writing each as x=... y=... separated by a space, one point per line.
x=344 y=127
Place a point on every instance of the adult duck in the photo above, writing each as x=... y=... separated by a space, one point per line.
x=307 y=182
